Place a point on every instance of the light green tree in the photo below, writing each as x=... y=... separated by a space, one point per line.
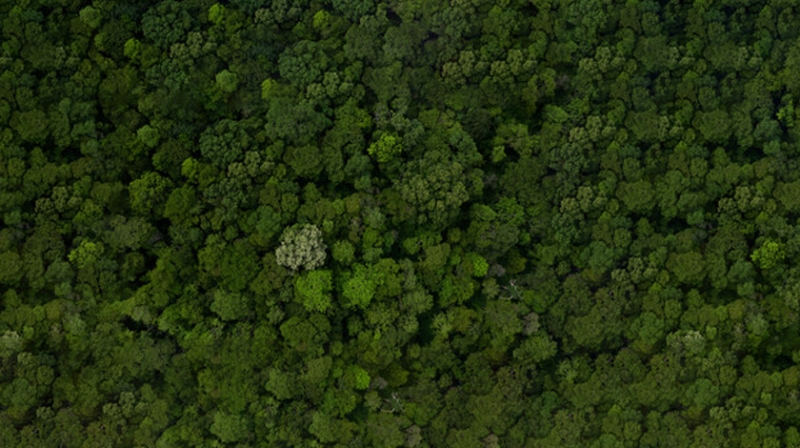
x=148 y=135
x=227 y=81
x=386 y=148
x=91 y=17
x=360 y=289
x=768 y=255
x=361 y=376
x=313 y=290
x=86 y=254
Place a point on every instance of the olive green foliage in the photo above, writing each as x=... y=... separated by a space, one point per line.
x=11 y=268
x=406 y=223
x=227 y=81
x=229 y=305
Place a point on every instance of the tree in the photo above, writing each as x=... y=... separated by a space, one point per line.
x=166 y=24
x=495 y=230
x=354 y=10
x=230 y=428
x=303 y=63
x=10 y=268
x=148 y=193
x=230 y=305
x=182 y=206
x=435 y=187
x=128 y=234
x=360 y=288
x=224 y=143
x=313 y=289
x=688 y=267
x=551 y=223
x=788 y=194
x=769 y=255
x=227 y=82
x=301 y=247
x=637 y=196
x=86 y=254
x=305 y=160
x=262 y=224
x=384 y=429
x=387 y=148
x=714 y=125
x=295 y=122
x=32 y=125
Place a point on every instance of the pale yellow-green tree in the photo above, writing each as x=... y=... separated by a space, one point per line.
x=301 y=247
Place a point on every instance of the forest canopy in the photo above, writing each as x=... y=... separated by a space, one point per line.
x=358 y=223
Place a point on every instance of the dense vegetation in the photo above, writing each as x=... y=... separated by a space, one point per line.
x=465 y=223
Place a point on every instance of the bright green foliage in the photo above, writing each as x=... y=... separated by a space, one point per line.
x=86 y=254
x=148 y=136
x=301 y=247
x=387 y=148
x=360 y=289
x=189 y=168
x=267 y=87
x=479 y=265
x=132 y=48
x=769 y=255
x=91 y=17
x=313 y=290
x=227 y=81
x=216 y=13
x=555 y=113
x=362 y=378
x=320 y=19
